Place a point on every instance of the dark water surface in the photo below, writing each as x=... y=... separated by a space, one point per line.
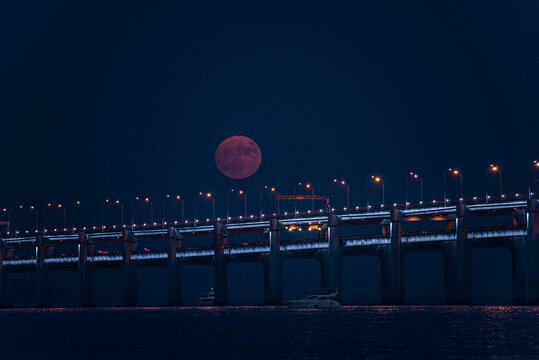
x=357 y=332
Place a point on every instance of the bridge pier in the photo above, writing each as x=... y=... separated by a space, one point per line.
x=5 y=281
x=332 y=277
x=519 y=272
x=220 y=264
x=129 y=273
x=43 y=282
x=273 y=291
x=173 y=264
x=86 y=281
x=532 y=246
x=458 y=280
x=393 y=264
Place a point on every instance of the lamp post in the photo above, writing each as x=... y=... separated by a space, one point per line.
x=270 y=189
x=33 y=208
x=414 y=176
x=8 y=217
x=343 y=183
x=497 y=169
x=179 y=199
x=76 y=203
x=453 y=172
x=206 y=195
x=378 y=180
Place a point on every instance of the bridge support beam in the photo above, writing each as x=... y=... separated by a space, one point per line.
x=458 y=280
x=5 y=281
x=173 y=264
x=332 y=277
x=273 y=294
x=393 y=264
x=129 y=273
x=220 y=264
x=43 y=285
x=532 y=245
x=86 y=281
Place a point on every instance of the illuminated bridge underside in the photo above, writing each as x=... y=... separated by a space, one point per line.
x=290 y=248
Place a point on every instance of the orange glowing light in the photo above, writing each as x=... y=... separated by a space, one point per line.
x=78 y=203
x=343 y=182
x=308 y=186
x=493 y=167
x=117 y=201
x=208 y=194
x=377 y=178
x=416 y=176
x=59 y=206
x=107 y=200
x=147 y=199
x=168 y=195
x=4 y=209
x=49 y=205
x=272 y=189
x=32 y=207
x=20 y=207
x=334 y=180
x=241 y=192
x=456 y=172
x=178 y=197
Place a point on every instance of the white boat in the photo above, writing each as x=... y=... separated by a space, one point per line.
x=208 y=299
x=319 y=299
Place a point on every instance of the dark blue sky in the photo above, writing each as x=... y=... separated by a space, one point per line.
x=112 y=100
x=118 y=99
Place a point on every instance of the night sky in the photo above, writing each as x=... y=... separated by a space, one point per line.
x=122 y=99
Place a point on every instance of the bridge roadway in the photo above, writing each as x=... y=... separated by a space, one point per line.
x=456 y=244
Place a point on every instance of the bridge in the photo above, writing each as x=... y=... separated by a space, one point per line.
x=390 y=245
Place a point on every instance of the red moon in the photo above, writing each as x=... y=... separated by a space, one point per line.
x=238 y=157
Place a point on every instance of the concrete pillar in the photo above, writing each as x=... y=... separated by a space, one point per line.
x=43 y=280
x=5 y=281
x=334 y=257
x=220 y=264
x=86 y=281
x=274 y=294
x=173 y=264
x=393 y=265
x=532 y=246
x=323 y=272
x=519 y=272
x=129 y=273
x=458 y=277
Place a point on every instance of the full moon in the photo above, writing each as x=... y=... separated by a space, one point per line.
x=238 y=157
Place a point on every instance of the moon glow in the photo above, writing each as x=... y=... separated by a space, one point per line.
x=238 y=157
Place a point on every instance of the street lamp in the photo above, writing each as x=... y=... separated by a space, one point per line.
x=343 y=183
x=270 y=189
x=204 y=195
x=455 y=172
x=76 y=203
x=33 y=208
x=497 y=169
x=61 y=207
x=8 y=217
x=377 y=180
x=414 y=176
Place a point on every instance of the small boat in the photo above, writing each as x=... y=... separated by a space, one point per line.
x=208 y=299
x=319 y=299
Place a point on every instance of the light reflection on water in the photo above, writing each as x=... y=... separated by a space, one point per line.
x=380 y=332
